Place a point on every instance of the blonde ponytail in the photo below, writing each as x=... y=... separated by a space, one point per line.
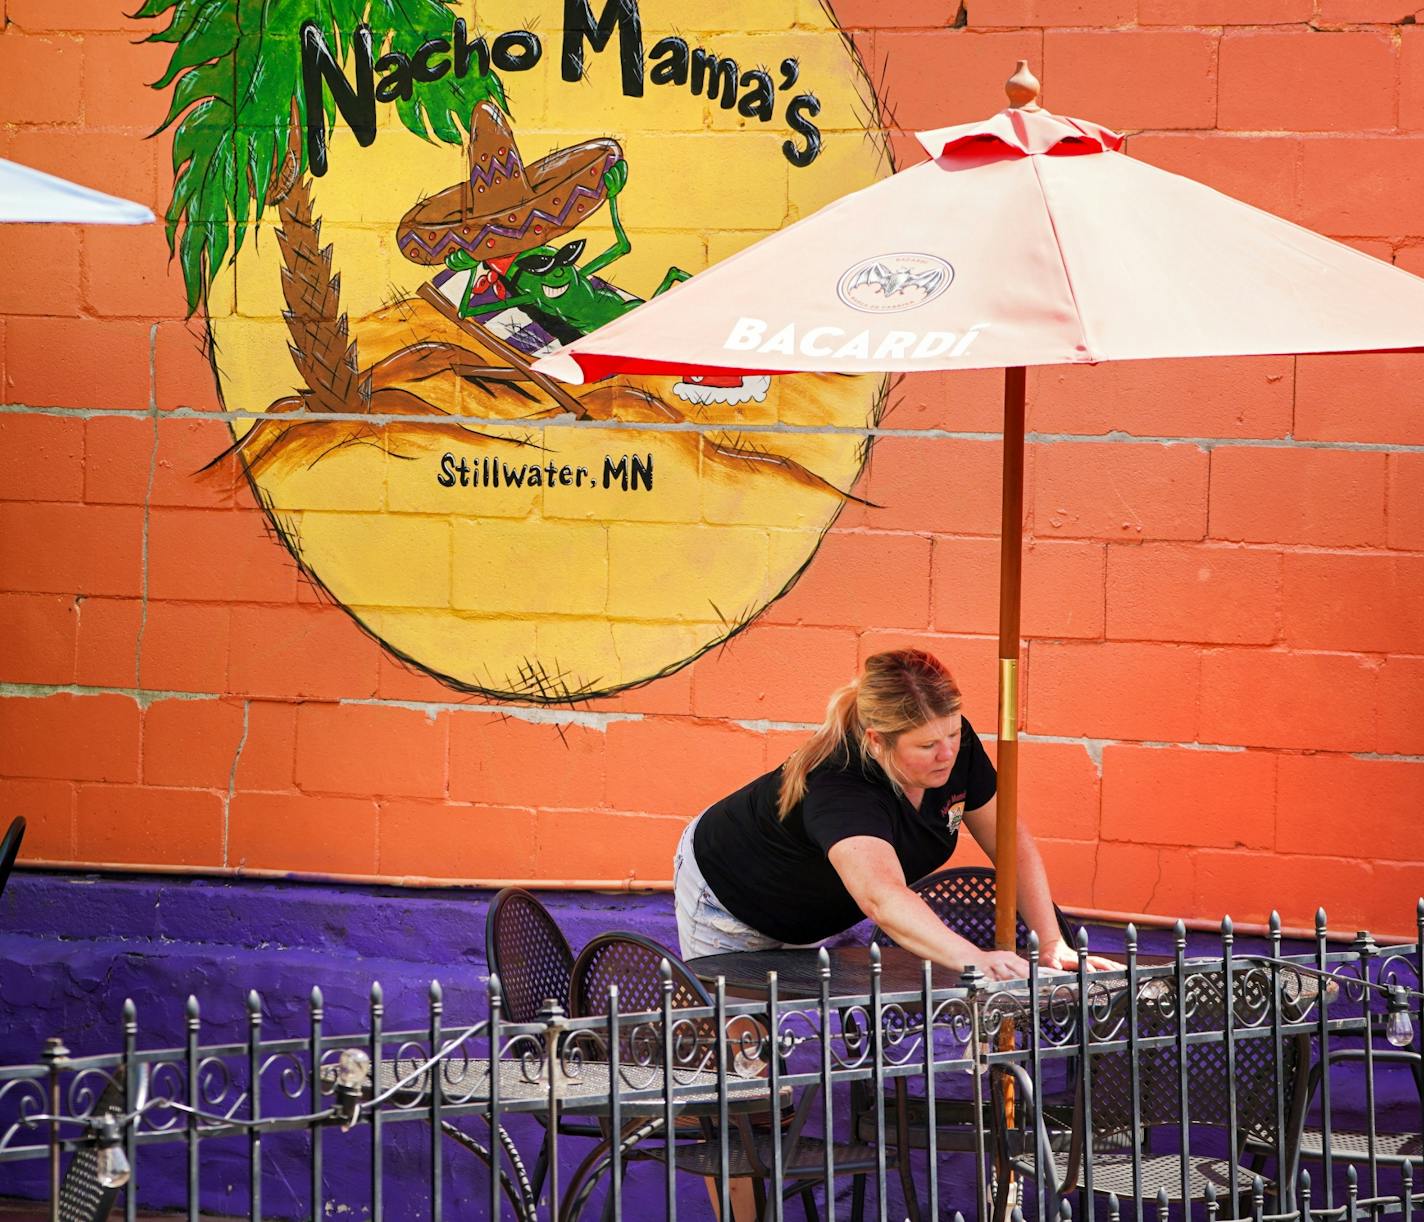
x=840 y=729
x=898 y=691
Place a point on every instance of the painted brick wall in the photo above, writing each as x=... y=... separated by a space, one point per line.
x=1224 y=678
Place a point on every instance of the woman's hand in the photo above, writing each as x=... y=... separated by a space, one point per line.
x=999 y=964
x=1060 y=955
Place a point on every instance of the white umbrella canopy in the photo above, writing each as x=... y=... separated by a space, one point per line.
x=1028 y=239
x=31 y=196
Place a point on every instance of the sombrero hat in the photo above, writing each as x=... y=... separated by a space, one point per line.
x=506 y=207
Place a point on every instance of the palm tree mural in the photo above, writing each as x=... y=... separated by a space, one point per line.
x=239 y=119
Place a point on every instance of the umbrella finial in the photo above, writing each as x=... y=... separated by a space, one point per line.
x=1023 y=88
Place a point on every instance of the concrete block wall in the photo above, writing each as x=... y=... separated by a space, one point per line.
x=1224 y=675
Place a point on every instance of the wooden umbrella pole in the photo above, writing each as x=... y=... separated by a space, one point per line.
x=1010 y=589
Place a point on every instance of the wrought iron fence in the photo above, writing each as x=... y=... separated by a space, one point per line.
x=1236 y=1086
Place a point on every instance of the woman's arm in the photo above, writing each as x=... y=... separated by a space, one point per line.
x=1035 y=901
x=871 y=873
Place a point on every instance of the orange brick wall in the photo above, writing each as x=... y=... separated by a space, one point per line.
x=1224 y=676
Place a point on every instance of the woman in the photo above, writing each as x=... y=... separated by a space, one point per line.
x=870 y=804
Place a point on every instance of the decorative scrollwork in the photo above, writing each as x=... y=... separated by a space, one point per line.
x=1058 y=1014
x=1003 y=1009
x=1106 y=1018
x=797 y=1029
x=463 y=1074
x=27 y=1096
x=1399 y=969
x=1252 y=997
x=955 y=1016
x=1348 y=978
x=693 y=1046
x=1157 y=998
x=410 y=1057
x=901 y=1034
x=529 y=1053
x=292 y=1080
x=216 y=1085
x=748 y=1046
x=167 y=1085
x=87 y=1087
x=642 y=1050
x=853 y=1050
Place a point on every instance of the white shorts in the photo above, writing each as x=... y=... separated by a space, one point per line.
x=704 y=926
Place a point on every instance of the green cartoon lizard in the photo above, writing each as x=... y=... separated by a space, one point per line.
x=548 y=278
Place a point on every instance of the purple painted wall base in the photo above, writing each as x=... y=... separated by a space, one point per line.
x=74 y=947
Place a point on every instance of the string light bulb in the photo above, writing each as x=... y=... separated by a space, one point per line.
x=1398 y=1029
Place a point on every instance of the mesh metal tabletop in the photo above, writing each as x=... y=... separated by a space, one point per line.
x=584 y=1088
x=798 y=974
x=1350 y=1146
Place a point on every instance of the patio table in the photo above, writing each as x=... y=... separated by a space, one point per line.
x=798 y=972
x=583 y=1090
x=799 y=979
x=524 y=1087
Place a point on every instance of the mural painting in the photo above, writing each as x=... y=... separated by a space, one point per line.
x=387 y=213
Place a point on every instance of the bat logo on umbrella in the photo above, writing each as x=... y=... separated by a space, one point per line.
x=894 y=282
x=891 y=283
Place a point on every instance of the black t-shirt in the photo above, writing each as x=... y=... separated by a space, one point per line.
x=775 y=874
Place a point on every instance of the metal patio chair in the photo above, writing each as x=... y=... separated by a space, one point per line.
x=10 y=848
x=964 y=900
x=527 y=950
x=1105 y=1111
x=1349 y=1145
x=634 y=964
x=525 y=947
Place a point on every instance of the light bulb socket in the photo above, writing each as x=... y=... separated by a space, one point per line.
x=111 y=1164
x=1398 y=1027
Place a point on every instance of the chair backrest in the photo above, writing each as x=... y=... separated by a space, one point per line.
x=634 y=964
x=1209 y=1087
x=526 y=948
x=10 y=848
x=964 y=899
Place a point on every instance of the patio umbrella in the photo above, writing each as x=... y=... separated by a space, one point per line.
x=1027 y=239
x=34 y=196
